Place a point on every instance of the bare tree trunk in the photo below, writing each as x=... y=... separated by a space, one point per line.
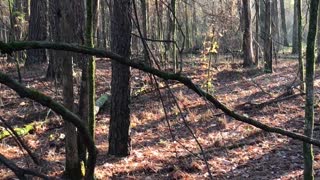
x=268 y=39
x=295 y=46
x=71 y=21
x=283 y=24
x=38 y=30
x=119 y=138
x=144 y=27
x=275 y=25
x=247 y=34
x=186 y=14
x=301 y=63
x=54 y=70
x=257 y=32
x=194 y=25
x=309 y=107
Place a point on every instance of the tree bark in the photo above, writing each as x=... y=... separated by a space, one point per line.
x=119 y=138
x=268 y=39
x=275 y=25
x=247 y=34
x=54 y=70
x=301 y=63
x=309 y=107
x=257 y=7
x=70 y=30
x=295 y=45
x=283 y=24
x=144 y=28
x=38 y=30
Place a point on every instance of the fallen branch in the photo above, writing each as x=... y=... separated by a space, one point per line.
x=20 y=141
x=280 y=98
x=20 y=172
x=20 y=131
x=257 y=85
x=276 y=100
x=25 y=45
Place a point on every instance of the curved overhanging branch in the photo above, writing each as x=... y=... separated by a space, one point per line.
x=59 y=109
x=25 y=45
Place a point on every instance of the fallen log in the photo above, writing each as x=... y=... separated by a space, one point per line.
x=21 y=131
x=251 y=105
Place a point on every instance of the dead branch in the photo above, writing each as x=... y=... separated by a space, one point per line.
x=20 y=172
x=272 y=101
x=20 y=141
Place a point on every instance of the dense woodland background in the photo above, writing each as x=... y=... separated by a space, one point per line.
x=159 y=89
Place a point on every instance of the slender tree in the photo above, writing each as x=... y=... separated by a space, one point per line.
x=275 y=25
x=70 y=21
x=257 y=7
x=144 y=27
x=284 y=24
x=91 y=9
x=247 y=34
x=309 y=107
x=119 y=138
x=301 y=63
x=174 y=34
x=268 y=39
x=295 y=46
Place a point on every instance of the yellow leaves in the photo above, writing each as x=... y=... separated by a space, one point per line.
x=214 y=48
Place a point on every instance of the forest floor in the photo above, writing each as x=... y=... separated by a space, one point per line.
x=234 y=150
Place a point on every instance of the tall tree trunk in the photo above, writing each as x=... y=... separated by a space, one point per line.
x=194 y=25
x=247 y=34
x=87 y=87
x=257 y=32
x=283 y=24
x=38 y=30
x=301 y=63
x=119 y=138
x=71 y=20
x=295 y=46
x=174 y=35
x=144 y=28
x=268 y=39
x=309 y=109
x=262 y=19
x=275 y=25
x=54 y=70
x=186 y=14
x=92 y=64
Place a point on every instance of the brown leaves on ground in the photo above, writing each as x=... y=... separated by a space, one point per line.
x=234 y=150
